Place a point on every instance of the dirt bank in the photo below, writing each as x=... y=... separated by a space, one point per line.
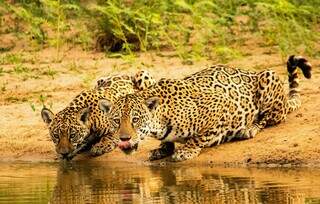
x=23 y=135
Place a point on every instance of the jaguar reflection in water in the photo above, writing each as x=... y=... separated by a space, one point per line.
x=128 y=183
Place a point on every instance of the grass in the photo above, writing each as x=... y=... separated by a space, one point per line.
x=29 y=72
x=11 y=58
x=42 y=100
x=25 y=72
x=194 y=29
x=21 y=69
x=50 y=72
x=225 y=53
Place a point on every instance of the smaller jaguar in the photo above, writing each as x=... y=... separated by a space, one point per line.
x=78 y=127
x=212 y=106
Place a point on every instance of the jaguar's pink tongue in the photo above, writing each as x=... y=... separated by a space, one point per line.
x=124 y=145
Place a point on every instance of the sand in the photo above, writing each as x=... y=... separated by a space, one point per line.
x=24 y=136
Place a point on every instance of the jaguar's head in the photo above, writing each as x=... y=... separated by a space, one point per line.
x=134 y=118
x=67 y=129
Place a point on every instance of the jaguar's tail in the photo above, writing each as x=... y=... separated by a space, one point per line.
x=293 y=62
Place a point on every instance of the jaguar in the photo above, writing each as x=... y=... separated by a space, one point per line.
x=210 y=107
x=78 y=127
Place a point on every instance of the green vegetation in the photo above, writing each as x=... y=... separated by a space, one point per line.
x=50 y=72
x=11 y=58
x=42 y=100
x=194 y=29
x=20 y=69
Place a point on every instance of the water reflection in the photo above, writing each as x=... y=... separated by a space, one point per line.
x=114 y=183
x=126 y=183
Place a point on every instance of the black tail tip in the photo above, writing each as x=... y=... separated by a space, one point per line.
x=301 y=62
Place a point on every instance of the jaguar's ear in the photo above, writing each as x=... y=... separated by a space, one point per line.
x=105 y=105
x=153 y=102
x=84 y=115
x=47 y=115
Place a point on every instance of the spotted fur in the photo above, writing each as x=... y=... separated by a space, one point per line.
x=81 y=125
x=143 y=80
x=207 y=108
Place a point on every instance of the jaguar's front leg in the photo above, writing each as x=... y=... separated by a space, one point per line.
x=251 y=131
x=105 y=145
x=189 y=150
x=166 y=149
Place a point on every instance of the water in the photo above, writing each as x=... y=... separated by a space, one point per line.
x=89 y=182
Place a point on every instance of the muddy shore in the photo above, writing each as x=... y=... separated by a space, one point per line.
x=24 y=137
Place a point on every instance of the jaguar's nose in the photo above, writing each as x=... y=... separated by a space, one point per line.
x=125 y=137
x=64 y=155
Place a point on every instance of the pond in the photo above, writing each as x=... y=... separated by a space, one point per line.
x=99 y=182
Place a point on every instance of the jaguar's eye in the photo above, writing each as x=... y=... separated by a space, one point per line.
x=56 y=136
x=135 y=119
x=116 y=120
x=72 y=135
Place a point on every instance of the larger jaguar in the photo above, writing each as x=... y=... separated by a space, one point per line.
x=81 y=126
x=207 y=108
